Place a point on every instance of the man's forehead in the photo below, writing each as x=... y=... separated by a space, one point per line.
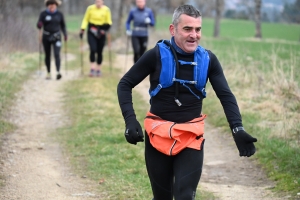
x=192 y=26
x=190 y=22
x=189 y=19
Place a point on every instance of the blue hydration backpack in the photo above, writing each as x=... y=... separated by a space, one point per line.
x=170 y=66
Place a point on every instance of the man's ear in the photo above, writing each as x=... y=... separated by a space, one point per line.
x=172 y=29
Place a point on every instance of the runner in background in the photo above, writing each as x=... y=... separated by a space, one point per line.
x=97 y=20
x=50 y=24
x=142 y=17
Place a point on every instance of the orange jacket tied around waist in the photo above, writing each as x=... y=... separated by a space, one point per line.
x=171 y=137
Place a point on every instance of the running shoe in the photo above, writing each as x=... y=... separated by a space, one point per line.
x=58 y=76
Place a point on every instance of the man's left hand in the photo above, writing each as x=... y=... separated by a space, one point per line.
x=244 y=143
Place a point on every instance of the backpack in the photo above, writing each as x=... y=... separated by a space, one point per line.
x=170 y=66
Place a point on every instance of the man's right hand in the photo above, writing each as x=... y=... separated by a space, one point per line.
x=147 y=20
x=128 y=32
x=133 y=132
x=81 y=33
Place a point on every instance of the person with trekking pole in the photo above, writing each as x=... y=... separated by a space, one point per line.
x=142 y=17
x=179 y=69
x=50 y=24
x=97 y=20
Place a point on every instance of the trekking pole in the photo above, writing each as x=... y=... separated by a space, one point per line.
x=109 y=51
x=126 y=55
x=110 y=59
x=66 y=62
x=40 y=58
x=81 y=55
x=40 y=53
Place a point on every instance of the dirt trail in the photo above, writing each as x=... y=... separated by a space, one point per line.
x=225 y=174
x=32 y=163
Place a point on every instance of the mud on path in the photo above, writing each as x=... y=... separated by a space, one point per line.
x=225 y=174
x=32 y=164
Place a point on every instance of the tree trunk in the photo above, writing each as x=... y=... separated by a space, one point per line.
x=218 y=16
x=121 y=26
x=258 y=19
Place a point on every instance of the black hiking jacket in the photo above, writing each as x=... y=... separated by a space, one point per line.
x=163 y=104
x=52 y=22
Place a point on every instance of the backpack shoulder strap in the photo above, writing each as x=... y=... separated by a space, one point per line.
x=202 y=59
x=167 y=69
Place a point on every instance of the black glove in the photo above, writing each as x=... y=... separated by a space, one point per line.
x=133 y=132
x=244 y=142
x=81 y=33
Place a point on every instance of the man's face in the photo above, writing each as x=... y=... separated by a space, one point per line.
x=99 y=3
x=187 y=33
x=140 y=4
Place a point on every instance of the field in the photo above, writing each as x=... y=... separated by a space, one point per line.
x=263 y=74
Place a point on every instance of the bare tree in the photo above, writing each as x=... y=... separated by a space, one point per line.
x=258 y=19
x=16 y=30
x=218 y=16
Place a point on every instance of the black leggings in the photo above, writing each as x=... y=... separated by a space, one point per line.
x=56 y=49
x=139 y=45
x=96 y=46
x=176 y=176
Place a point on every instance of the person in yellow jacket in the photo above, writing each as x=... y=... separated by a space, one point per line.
x=97 y=21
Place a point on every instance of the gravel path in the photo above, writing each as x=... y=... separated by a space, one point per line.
x=33 y=165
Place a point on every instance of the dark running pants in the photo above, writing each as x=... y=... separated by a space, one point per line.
x=56 y=49
x=96 y=47
x=176 y=176
x=139 y=45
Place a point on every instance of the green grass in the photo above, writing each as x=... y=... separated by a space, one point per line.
x=237 y=29
x=246 y=29
x=73 y=22
x=15 y=69
x=265 y=80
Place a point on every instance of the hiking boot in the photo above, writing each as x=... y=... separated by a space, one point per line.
x=98 y=73
x=48 y=77
x=58 y=76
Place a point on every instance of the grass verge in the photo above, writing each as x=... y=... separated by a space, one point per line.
x=15 y=69
x=265 y=81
